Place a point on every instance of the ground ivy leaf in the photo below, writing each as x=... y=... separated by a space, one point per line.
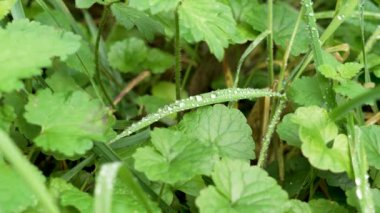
x=155 y=6
x=15 y=194
x=351 y=89
x=132 y=55
x=349 y=70
x=306 y=91
x=70 y=196
x=207 y=20
x=130 y=17
x=33 y=45
x=225 y=129
x=5 y=7
x=316 y=130
x=284 y=19
x=69 y=122
x=241 y=188
x=174 y=157
x=297 y=206
x=326 y=206
x=288 y=131
x=370 y=137
x=329 y=72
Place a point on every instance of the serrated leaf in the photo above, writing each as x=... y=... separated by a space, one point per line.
x=174 y=157
x=69 y=122
x=27 y=46
x=209 y=21
x=329 y=72
x=370 y=137
x=341 y=72
x=84 y=4
x=69 y=196
x=316 y=131
x=284 y=19
x=132 y=55
x=241 y=188
x=225 y=129
x=297 y=206
x=155 y=6
x=326 y=206
x=288 y=131
x=349 y=70
x=15 y=194
x=351 y=89
x=306 y=91
x=130 y=17
x=5 y=7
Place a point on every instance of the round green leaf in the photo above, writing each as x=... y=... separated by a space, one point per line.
x=225 y=129
x=241 y=188
x=69 y=122
x=27 y=46
x=174 y=157
x=316 y=132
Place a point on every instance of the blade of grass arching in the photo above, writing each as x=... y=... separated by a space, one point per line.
x=340 y=111
x=360 y=167
x=246 y=53
x=22 y=166
x=270 y=42
x=218 y=96
x=131 y=140
x=105 y=185
x=108 y=155
x=330 y=14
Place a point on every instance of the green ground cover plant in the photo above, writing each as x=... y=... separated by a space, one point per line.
x=189 y=106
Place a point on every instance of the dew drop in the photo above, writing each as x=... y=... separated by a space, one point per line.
x=358 y=181
x=340 y=17
x=359 y=194
x=213 y=96
x=198 y=98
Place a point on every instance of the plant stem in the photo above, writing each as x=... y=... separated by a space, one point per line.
x=270 y=130
x=288 y=49
x=270 y=42
x=367 y=76
x=18 y=11
x=218 y=96
x=177 y=54
x=26 y=171
x=103 y=21
x=246 y=53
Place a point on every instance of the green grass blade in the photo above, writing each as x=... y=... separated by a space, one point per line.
x=22 y=166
